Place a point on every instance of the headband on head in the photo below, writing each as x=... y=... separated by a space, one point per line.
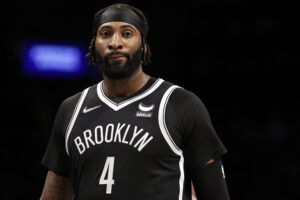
x=123 y=15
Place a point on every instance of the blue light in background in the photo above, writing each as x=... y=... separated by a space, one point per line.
x=54 y=59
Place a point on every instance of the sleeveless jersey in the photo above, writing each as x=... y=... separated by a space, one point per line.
x=120 y=150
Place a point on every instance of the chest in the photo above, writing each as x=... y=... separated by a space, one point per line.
x=133 y=130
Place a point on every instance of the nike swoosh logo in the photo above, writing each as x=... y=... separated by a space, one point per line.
x=146 y=108
x=86 y=110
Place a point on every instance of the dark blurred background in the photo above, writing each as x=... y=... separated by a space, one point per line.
x=239 y=57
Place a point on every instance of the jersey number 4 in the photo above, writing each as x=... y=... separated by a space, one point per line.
x=108 y=171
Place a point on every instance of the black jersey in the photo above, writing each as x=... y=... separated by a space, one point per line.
x=142 y=147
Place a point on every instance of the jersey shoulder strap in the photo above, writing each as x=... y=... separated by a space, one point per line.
x=69 y=107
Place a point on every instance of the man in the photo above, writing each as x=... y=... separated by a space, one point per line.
x=131 y=136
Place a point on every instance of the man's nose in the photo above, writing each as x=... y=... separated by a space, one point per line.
x=115 y=43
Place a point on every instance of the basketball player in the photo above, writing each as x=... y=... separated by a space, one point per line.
x=131 y=136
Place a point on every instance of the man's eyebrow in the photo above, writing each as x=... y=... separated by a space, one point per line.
x=128 y=26
x=123 y=26
x=106 y=26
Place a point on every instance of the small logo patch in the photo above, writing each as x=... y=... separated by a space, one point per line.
x=145 y=110
x=86 y=110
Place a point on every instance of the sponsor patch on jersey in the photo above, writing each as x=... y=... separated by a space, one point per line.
x=145 y=110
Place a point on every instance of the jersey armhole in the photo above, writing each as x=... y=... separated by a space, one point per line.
x=74 y=117
x=168 y=138
x=162 y=121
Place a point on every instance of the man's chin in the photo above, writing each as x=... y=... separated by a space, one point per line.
x=117 y=72
x=117 y=75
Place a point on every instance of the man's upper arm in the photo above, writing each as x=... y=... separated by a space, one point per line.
x=191 y=128
x=201 y=145
x=57 y=187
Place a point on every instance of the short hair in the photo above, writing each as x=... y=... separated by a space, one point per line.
x=146 y=49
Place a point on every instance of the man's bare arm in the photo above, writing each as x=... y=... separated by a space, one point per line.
x=57 y=188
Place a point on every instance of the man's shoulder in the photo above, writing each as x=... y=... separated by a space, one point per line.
x=183 y=97
x=182 y=93
x=71 y=101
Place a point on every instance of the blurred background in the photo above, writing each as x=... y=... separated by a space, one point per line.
x=238 y=56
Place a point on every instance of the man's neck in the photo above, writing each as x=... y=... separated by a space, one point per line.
x=127 y=86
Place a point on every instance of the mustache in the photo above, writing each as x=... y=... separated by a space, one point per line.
x=117 y=53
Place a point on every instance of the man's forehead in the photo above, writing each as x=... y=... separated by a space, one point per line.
x=117 y=24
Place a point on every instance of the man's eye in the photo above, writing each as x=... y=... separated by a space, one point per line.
x=127 y=34
x=105 y=34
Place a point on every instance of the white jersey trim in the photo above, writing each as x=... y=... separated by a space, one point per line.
x=168 y=138
x=162 y=120
x=123 y=104
x=74 y=117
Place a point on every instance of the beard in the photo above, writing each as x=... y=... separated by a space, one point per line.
x=116 y=70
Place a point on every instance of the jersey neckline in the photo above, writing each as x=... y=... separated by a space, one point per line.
x=117 y=106
x=148 y=84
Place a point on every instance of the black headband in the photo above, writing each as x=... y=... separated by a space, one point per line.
x=123 y=15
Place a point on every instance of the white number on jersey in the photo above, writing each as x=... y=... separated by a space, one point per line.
x=109 y=170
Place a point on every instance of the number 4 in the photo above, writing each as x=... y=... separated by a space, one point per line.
x=109 y=170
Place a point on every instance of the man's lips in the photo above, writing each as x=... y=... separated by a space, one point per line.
x=115 y=56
